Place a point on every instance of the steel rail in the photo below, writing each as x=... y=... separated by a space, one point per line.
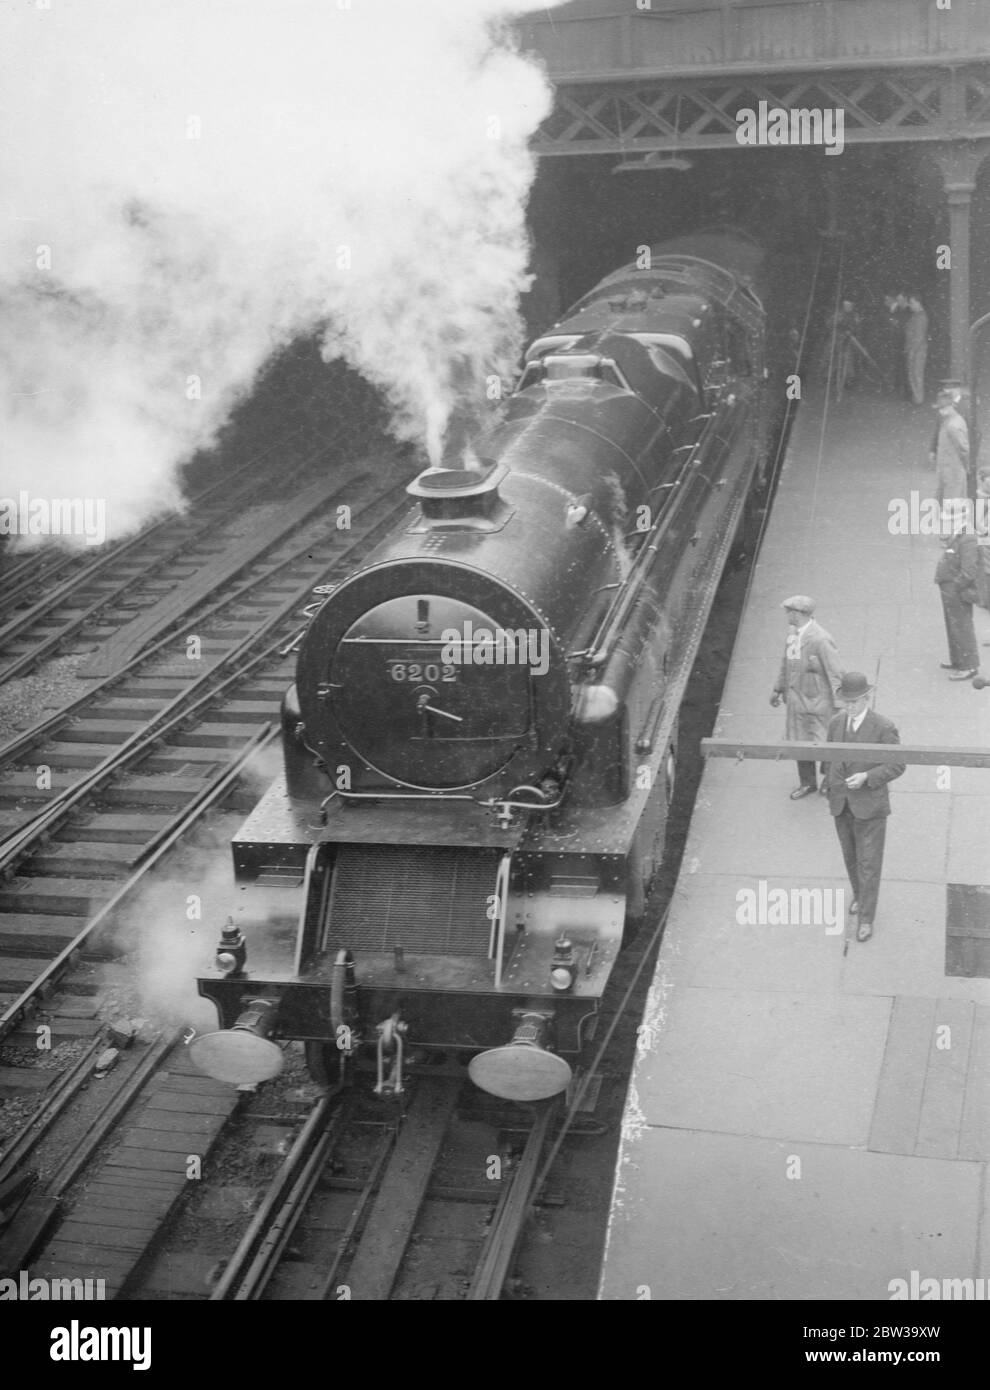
x=40 y=1122
x=274 y=1241
x=370 y=1187
x=249 y=1266
x=46 y=1197
x=107 y=1119
x=211 y=792
x=30 y=571
x=512 y=1211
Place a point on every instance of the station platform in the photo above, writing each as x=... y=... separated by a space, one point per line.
x=800 y=1124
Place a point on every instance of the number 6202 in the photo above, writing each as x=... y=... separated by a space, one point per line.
x=417 y=671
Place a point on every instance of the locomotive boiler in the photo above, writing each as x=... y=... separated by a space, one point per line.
x=481 y=739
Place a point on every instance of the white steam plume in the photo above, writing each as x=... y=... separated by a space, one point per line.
x=186 y=185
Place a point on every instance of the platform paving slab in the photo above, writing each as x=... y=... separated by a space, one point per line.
x=848 y=1225
x=761 y=1062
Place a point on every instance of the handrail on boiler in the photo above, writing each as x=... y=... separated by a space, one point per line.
x=498 y=925
x=599 y=648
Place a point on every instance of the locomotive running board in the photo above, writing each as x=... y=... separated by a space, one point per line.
x=279 y=832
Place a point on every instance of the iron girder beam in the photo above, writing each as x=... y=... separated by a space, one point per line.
x=802 y=750
x=880 y=106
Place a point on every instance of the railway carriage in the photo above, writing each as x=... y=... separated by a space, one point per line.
x=481 y=739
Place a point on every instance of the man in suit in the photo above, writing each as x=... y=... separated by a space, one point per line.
x=858 y=797
x=809 y=675
x=957 y=576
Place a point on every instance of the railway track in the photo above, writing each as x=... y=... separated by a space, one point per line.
x=93 y=797
x=105 y=1196
x=183 y=1187
x=25 y=573
x=101 y=594
x=423 y=1198
x=424 y=1167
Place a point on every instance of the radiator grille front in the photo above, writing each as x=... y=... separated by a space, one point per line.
x=430 y=901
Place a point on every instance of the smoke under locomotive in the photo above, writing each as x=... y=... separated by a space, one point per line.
x=480 y=742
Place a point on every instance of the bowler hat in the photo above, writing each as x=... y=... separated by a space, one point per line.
x=801 y=603
x=853 y=685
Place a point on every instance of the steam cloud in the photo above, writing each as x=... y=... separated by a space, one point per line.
x=189 y=184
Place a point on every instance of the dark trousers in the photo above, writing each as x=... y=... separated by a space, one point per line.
x=862 y=849
x=806 y=774
x=959 y=630
x=897 y=370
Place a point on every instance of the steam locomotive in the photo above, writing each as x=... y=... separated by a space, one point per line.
x=480 y=744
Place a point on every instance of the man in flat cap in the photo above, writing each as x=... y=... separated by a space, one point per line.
x=858 y=797
x=950 y=448
x=809 y=676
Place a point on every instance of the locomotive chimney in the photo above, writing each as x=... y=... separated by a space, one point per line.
x=459 y=493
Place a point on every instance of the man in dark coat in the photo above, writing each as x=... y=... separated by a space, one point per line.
x=858 y=797
x=845 y=326
x=897 y=311
x=916 y=348
x=957 y=577
x=809 y=674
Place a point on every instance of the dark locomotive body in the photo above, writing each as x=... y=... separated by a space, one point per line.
x=480 y=743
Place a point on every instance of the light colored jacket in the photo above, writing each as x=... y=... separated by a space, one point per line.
x=809 y=680
x=952 y=457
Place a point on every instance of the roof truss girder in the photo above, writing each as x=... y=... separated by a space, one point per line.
x=885 y=105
